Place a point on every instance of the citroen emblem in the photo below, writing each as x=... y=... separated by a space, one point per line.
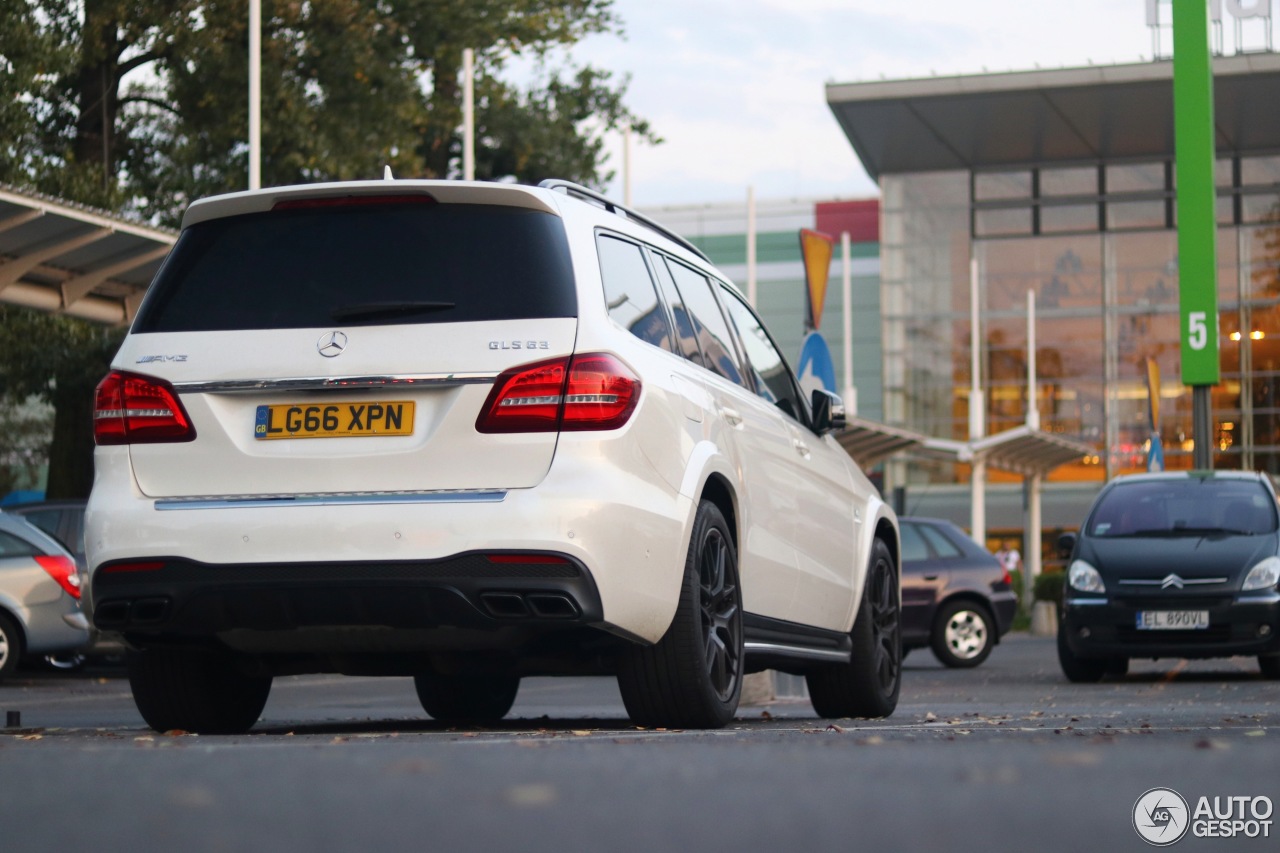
x=331 y=344
x=1171 y=580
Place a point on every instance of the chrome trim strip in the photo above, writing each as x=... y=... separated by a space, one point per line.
x=797 y=651
x=334 y=383
x=1162 y=581
x=1074 y=602
x=269 y=501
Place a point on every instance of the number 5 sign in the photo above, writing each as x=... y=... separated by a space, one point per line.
x=1197 y=228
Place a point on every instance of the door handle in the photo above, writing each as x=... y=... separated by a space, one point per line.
x=731 y=416
x=931 y=577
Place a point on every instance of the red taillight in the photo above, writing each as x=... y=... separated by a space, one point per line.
x=1007 y=580
x=581 y=392
x=132 y=409
x=63 y=570
x=601 y=393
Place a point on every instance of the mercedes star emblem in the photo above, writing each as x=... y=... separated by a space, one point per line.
x=331 y=344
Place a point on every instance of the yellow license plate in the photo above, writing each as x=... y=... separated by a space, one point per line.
x=334 y=420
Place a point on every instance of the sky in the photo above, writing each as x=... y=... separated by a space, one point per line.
x=736 y=87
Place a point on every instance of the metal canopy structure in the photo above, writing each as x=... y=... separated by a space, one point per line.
x=869 y=442
x=1026 y=451
x=1117 y=112
x=67 y=259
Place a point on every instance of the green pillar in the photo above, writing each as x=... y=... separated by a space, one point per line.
x=1197 y=222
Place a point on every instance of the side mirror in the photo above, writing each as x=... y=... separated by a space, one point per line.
x=828 y=412
x=1066 y=544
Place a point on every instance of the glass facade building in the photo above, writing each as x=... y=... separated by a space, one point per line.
x=1062 y=184
x=1097 y=246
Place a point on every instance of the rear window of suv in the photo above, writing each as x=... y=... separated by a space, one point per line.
x=362 y=265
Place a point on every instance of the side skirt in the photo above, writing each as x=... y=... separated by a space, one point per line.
x=790 y=647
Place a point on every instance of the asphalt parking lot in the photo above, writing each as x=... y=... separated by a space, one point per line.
x=1007 y=756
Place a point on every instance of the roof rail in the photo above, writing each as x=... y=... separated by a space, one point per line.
x=570 y=188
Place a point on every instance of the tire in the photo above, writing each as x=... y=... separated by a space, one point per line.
x=10 y=646
x=195 y=690
x=466 y=698
x=1270 y=666
x=869 y=684
x=1077 y=669
x=692 y=677
x=962 y=634
x=1119 y=667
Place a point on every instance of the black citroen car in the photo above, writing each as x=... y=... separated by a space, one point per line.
x=1176 y=564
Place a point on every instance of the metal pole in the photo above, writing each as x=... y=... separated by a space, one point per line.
x=468 y=115
x=846 y=293
x=1033 y=400
x=977 y=414
x=255 y=94
x=751 y=246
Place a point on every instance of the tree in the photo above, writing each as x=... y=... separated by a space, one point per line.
x=59 y=360
x=142 y=105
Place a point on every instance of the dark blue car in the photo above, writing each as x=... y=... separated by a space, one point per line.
x=956 y=597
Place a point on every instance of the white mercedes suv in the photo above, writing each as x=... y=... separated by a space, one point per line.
x=469 y=432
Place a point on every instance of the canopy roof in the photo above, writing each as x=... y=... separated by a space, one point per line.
x=1117 y=112
x=66 y=258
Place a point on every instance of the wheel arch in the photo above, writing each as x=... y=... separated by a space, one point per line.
x=717 y=490
x=7 y=611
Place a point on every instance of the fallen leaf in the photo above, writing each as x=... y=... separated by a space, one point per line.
x=834 y=728
x=30 y=737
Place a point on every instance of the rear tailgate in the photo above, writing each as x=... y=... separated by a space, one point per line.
x=346 y=343
x=225 y=380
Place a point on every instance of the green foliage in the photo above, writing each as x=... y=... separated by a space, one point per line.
x=143 y=106
x=59 y=360
x=25 y=426
x=1049 y=586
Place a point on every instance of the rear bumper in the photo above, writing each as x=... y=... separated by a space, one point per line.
x=175 y=598
x=1248 y=625
x=1005 y=605
x=386 y=552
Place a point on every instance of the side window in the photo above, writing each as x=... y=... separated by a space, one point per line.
x=708 y=323
x=629 y=294
x=686 y=336
x=773 y=378
x=944 y=547
x=913 y=547
x=14 y=546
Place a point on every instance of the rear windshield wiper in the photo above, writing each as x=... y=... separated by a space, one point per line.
x=376 y=310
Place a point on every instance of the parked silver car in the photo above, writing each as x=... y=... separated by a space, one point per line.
x=39 y=595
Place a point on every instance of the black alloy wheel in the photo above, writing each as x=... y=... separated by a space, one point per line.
x=692 y=677
x=721 y=615
x=867 y=686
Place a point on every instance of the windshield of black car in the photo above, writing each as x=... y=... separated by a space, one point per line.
x=1190 y=506
x=364 y=264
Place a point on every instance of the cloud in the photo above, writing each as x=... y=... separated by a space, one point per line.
x=736 y=87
